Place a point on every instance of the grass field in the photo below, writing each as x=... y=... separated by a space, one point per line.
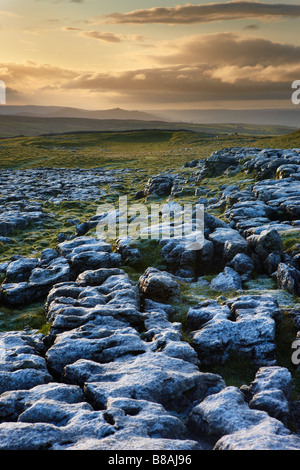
x=290 y=140
x=152 y=150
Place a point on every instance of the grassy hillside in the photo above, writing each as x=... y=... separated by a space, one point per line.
x=291 y=140
x=11 y=126
x=155 y=150
x=151 y=150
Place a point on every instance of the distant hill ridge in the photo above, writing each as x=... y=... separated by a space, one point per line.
x=288 y=117
x=32 y=120
x=69 y=112
x=12 y=126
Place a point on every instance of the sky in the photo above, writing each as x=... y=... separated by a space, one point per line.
x=150 y=54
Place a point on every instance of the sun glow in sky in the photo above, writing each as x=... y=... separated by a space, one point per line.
x=150 y=54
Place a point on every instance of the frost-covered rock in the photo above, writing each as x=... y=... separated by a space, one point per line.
x=270 y=434
x=150 y=376
x=224 y=413
x=244 y=325
x=228 y=280
x=271 y=392
x=158 y=285
x=227 y=243
x=288 y=277
x=243 y=265
x=21 y=363
x=159 y=185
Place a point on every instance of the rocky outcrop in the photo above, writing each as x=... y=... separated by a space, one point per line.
x=268 y=435
x=268 y=163
x=228 y=280
x=219 y=246
x=267 y=250
x=115 y=371
x=96 y=381
x=271 y=392
x=157 y=186
x=158 y=285
x=130 y=255
x=224 y=413
x=22 y=365
x=222 y=160
x=55 y=185
x=244 y=326
x=227 y=243
x=288 y=277
x=184 y=262
x=86 y=253
x=227 y=414
x=30 y=279
x=18 y=216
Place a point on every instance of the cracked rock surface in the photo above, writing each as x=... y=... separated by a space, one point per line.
x=119 y=368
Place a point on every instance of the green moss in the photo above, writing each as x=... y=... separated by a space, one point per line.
x=291 y=240
x=45 y=329
x=18 y=318
x=236 y=371
x=197 y=291
x=150 y=251
x=35 y=238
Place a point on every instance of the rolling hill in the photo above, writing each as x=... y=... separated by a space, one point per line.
x=32 y=120
x=278 y=116
x=68 y=112
x=291 y=140
x=12 y=126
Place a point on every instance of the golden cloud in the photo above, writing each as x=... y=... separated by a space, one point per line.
x=207 y=13
x=223 y=66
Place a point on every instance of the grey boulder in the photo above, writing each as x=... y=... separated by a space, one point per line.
x=158 y=285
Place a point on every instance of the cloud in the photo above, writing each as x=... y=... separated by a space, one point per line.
x=219 y=66
x=211 y=12
x=215 y=67
x=251 y=27
x=32 y=76
x=258 y=74
x=111 y=37
x=187 y=84
x=71 y=28
x=227 y=48
x=107 y=37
